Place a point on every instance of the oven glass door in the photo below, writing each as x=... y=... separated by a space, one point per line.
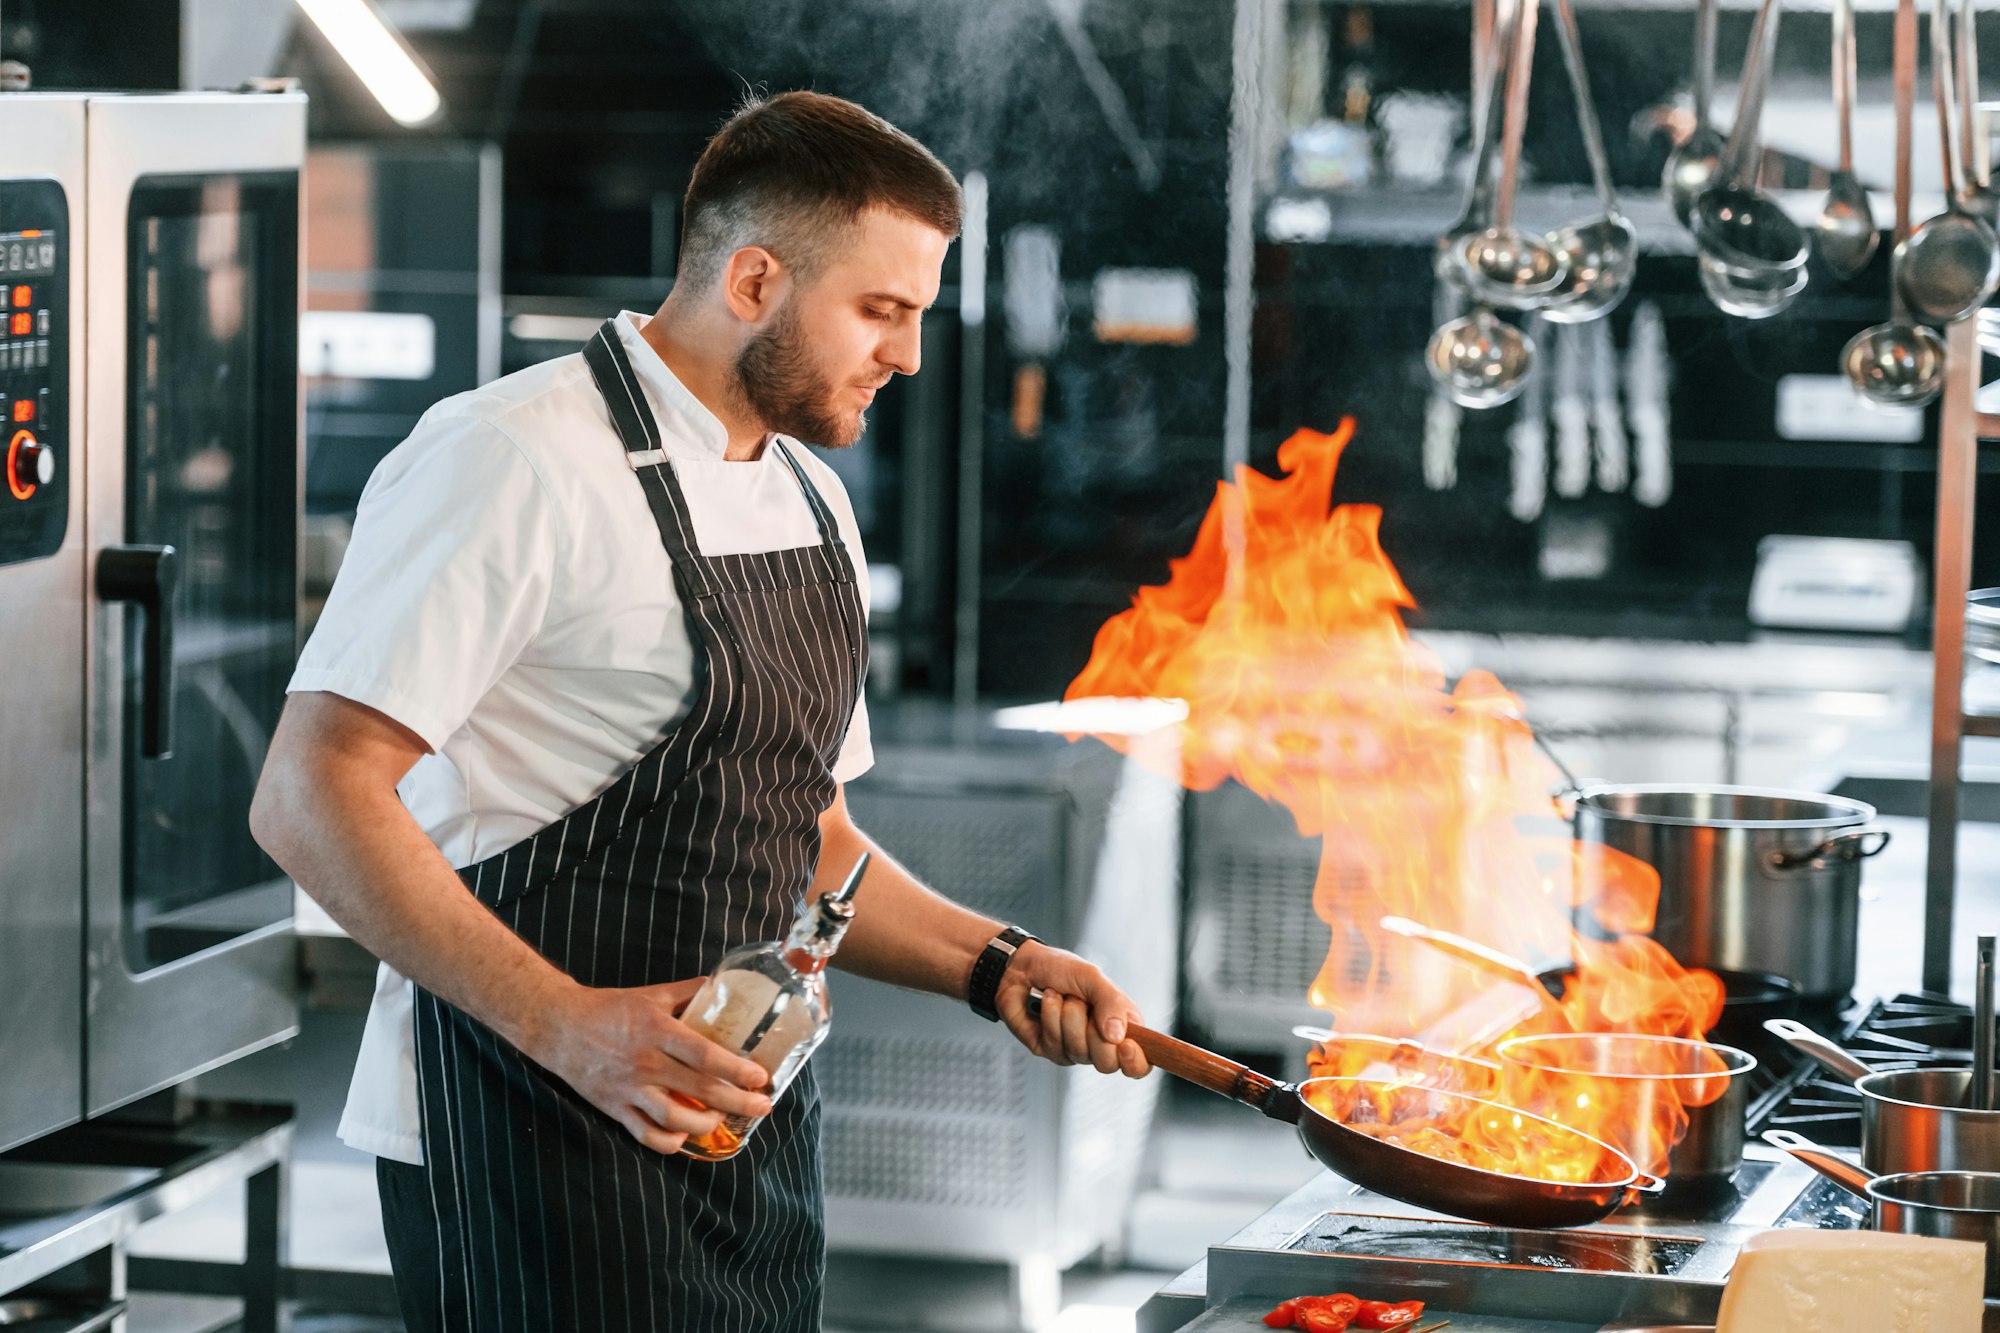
x=212 y=471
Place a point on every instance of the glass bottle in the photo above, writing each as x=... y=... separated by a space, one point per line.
x=769 y=1002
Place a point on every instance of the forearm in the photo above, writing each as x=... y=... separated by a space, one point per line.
x=903 y=933
x=353 y=847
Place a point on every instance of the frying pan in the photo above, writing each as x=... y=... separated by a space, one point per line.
x=1330 y=1111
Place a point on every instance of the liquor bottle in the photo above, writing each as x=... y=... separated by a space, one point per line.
x=769 y=1002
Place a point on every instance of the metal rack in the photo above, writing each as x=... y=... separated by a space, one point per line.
x=1961 y=426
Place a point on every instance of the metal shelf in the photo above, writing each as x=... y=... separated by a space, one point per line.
x=1400 y=214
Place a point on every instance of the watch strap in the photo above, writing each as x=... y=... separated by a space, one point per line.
x=989 y=967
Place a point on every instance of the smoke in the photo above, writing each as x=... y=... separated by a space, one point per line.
x=939 y=67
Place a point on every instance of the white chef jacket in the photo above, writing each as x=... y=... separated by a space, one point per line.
x=507 y=598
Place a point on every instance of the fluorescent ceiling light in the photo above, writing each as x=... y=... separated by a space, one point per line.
x=372 y=51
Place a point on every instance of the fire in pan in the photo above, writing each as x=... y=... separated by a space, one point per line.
x=1449 y=1152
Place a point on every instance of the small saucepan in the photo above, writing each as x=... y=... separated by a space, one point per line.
x=1659 y=1079
x=1911 y=1119
x=1955 y=1205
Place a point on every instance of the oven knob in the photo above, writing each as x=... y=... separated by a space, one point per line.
x=29 y=464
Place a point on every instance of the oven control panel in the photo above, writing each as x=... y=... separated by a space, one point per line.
x=34 y=369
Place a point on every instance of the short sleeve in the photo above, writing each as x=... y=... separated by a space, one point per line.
x=446 y=581
x=857 y=752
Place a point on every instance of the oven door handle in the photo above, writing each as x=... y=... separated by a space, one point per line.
x=145 y=576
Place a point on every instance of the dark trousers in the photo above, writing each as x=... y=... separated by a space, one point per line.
x=409 y=1221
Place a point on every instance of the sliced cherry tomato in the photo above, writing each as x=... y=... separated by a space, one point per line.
x=1282 y=1316
x=1388 y=1314
x=1327 y=1314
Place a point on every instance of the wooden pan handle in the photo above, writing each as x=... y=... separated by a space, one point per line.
x=1206 y=1069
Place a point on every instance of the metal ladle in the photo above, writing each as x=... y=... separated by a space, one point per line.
x=1478 y=360
x=1489 y=47
x=1978 y=194
x=1481 y=360
x=1504 y=265
x=1949 y=265
x=1846 y=229
x=1692 y=166
x=1752 y=254
x=1899 y=362
x=1602 y=254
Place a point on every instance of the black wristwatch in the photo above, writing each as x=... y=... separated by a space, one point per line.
x=989 y=967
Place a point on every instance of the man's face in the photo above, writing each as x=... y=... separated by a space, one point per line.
x=812 y=371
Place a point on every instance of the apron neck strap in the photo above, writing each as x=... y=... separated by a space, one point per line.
x=829 y=531
x=637 y=429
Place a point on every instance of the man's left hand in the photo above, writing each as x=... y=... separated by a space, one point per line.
x=1084 y=1018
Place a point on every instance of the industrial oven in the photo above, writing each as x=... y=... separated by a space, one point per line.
x=148 y=587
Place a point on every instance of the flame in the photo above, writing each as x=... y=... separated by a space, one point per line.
x=1282 y=630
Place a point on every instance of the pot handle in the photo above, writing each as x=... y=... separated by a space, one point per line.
x=1803 y=1039
x=1839 y=1170
x=1205 y=1069
x=1645 y=1184
x=1854 y=845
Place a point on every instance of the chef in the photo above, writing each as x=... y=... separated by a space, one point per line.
x=575 y=722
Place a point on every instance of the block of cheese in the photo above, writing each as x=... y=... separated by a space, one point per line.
x=1812 y=1281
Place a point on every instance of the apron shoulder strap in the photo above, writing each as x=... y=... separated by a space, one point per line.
x=612 y=372
x=829 y=531
x=832 y=550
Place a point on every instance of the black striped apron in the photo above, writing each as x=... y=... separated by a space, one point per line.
x=536 y=1211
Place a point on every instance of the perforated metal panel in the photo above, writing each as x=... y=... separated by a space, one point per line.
x=926 y=1159
x=1272 y=943
x=994 y=852
x=1255 y=940
x=931 y=1076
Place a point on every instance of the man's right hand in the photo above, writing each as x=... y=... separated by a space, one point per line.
x=625 y=1051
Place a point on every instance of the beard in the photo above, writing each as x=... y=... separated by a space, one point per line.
x=777 y=379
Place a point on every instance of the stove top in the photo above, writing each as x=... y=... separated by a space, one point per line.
x=1662 y=1261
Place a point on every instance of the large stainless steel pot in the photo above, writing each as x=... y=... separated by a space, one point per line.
x=1955 y=1205
x=1752 y=879
x=1658 y=1078
x=1911 y=1119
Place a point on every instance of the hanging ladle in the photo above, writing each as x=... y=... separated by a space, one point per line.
x=1846 y=229
x=1602 y=254
x=1504 y=265
x=1977 y=192
x=1752 y=255
x=1492 y=35
x=1899 y=363
x=1950 y=264
x=1479 y=360
x=1691 y=167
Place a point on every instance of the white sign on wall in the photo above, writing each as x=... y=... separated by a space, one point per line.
x=367 y=345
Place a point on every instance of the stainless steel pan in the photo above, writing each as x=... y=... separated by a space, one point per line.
x=1911 y=1119
x=1659 y=1077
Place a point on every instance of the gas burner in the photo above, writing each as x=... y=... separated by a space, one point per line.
x=1906 y=1032
x=1359 y=1235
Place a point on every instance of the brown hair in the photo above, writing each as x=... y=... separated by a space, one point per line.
x=792 y=172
